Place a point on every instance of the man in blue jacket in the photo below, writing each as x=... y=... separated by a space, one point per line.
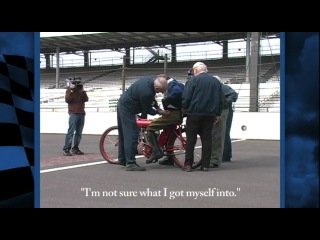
x=136 y=99
x=171 y=102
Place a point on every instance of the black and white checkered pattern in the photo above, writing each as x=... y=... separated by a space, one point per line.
x=16 y=127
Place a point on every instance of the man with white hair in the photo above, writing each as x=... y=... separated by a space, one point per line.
x=202 y=102
x=136 y=99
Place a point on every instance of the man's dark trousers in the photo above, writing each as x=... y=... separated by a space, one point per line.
x=201 y=125
x=128 y=134
x=227 y=151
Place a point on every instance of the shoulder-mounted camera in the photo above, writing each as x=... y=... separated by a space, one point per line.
x=75 y=80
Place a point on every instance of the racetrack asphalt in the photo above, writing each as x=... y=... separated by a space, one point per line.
x=250 y=180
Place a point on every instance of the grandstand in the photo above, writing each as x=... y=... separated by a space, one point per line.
x=104 y=83
x=104 y=99
x=234 y=72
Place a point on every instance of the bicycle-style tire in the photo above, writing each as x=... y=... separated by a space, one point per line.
x=179 y=156
x=108 y=145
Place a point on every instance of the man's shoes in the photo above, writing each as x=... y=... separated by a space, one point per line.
x=77 y=151
x=67 y=153
x=204 y=169
x=121 y=163
x=187 y=168
x=134 y=167
x=166 y=161
x=155 y=157
x=226 y=160
x=212 y=165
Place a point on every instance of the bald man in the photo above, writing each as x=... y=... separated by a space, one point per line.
x=136 y=99
x=172 y=103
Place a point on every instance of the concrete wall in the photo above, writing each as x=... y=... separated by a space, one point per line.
x=245 y=125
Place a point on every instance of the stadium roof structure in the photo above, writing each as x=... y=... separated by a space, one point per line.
x=125 y=40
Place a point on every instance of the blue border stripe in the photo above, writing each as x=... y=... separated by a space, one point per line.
x=37 y=119
x=282 y=120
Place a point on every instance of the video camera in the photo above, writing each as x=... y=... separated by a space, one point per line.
x=74 y=80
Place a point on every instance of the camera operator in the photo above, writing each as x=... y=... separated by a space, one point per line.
x=76 y=97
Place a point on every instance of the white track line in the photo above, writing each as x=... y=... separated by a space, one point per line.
x=239 y=140
x=76 y=166
x=97 y=163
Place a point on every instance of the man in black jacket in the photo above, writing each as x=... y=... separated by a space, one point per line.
x=202 y=102
x=138 y=98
